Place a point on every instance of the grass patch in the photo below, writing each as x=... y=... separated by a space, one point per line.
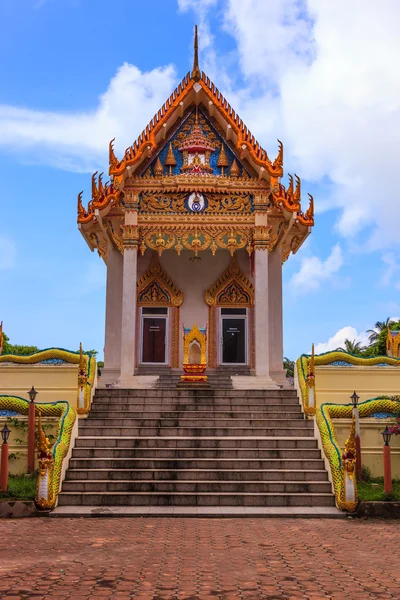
x=20 y=487
x=370 y=491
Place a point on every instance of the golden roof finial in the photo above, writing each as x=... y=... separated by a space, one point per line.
x=113 y=161
x=297 y=191
x=310 y=211
x=196 y=73
x=95 y=191
x=81 y=210
x=170 y=160
x=278 y=162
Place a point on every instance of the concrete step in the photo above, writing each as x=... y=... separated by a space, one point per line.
x=196 y=463
x=169 y=405
x=197 y=474
x=89 y=429
x=173 y=453
x=209 y=512
x=195 y=442
x=193 y=499
x=184 y=423
x=214 y=486
x=112 y=411
x=198 y=394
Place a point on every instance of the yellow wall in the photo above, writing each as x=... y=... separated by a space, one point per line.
x=336 y=385
x=371 y=444
x=53 y=382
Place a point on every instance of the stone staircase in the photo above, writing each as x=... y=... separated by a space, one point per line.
x=196 y=448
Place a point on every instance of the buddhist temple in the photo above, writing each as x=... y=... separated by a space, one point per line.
x=194 y=227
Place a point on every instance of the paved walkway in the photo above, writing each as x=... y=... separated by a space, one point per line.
x=188 y=559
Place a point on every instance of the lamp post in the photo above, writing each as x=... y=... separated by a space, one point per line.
x=354 y=399
x=387 y=467
x=31 y=430
x=5 y=432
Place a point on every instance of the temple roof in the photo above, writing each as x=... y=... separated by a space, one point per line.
x=247 y=169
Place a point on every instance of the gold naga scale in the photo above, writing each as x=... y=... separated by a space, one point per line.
x=195 y=179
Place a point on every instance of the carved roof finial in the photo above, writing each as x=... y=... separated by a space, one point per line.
x=81 y=210
x=196 y=73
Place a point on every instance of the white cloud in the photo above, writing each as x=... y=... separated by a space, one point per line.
x=313 y=271
x=330 y=89
x=8 y=253
x=392 y=270
x=337 y=340
x=79 y=141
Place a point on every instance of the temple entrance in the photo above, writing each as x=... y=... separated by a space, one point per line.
x=154 y=336
x=233 y=336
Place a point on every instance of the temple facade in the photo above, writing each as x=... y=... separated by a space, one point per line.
x=194 y=227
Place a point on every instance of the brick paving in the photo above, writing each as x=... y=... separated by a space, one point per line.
x=188 y=559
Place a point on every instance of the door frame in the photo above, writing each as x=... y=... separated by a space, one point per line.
x=245 y=318
x=149 y=316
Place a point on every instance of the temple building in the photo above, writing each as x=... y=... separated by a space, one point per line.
x=194 y=227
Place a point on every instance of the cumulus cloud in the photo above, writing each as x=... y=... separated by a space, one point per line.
x=79 y=141
x=8 y=253
x=337 y=340
x=313 y=271
x=330 y=88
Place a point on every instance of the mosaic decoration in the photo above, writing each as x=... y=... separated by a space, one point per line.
x=342 y=464
x=87 y=362
x=8 y=413
x=216 y=203
x=50 y=459
x=303 y=362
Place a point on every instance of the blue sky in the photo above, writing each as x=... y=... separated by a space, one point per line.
x=76 y=73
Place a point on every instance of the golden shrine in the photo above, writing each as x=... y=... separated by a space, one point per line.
x=194 y=226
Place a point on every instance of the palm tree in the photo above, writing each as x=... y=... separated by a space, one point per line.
x=353 y=347
x=380 y=326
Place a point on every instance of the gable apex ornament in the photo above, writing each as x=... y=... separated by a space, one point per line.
x=196 y=73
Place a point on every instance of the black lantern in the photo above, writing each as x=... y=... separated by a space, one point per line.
x=5 y=432
x=32 y=394
x=354 y=398
x=386 y=436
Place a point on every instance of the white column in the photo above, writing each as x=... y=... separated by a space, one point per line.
x=128 y=336
x=112 y=344
x=275 y=310
x=261 y=313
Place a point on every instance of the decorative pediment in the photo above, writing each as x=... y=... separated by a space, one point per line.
x=232 y=289
x=156 y=288
x=197 y=147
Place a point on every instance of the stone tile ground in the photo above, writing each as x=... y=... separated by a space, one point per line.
x=188 y=559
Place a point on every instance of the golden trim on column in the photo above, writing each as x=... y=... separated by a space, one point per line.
x=175 y=337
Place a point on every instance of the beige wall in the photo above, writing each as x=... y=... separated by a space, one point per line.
x=194 y=278
x=52 y=382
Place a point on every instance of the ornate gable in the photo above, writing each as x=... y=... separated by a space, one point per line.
x=198 y=146
x=156 y=288
x=232 y=288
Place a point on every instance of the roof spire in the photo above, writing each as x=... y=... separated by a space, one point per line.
x=196 y=73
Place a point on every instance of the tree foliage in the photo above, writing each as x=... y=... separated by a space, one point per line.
x=17 y=349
